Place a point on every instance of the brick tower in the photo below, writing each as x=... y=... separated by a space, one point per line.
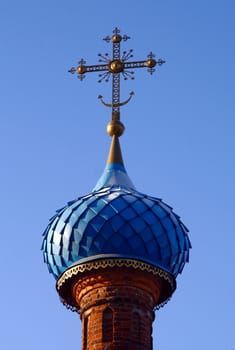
x=116 y=252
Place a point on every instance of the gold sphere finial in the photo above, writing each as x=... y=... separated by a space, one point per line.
x=116 y=66
x=151 y=62
x=116 y=38
x=115 y=127
x=81 y=69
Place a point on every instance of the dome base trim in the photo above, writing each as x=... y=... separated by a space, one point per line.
x=66 y=280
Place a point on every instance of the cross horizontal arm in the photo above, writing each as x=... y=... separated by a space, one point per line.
x=96 y=68
x=82 y=69
x=145 y=63
x=135 y=64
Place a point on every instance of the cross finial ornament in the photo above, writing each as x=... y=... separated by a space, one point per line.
x=114 y=66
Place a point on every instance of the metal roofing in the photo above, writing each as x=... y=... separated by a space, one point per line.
x=116 y=220
x=113 y=174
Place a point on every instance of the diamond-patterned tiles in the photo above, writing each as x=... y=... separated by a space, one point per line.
x=116 y=220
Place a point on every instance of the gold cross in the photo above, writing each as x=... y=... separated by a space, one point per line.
x=114 y=66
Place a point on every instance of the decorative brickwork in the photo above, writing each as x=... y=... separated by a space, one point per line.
x=116 y=308
x=76 y=272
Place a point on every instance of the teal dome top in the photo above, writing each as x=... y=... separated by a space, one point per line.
x=115 y=220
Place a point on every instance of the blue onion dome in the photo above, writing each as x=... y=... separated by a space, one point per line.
x=116 y=221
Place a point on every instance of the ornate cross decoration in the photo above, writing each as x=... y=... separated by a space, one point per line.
x=114 y=66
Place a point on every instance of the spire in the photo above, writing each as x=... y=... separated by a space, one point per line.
x=115 y=153
x=115 y=129
x=115 y=66
x=114 y=173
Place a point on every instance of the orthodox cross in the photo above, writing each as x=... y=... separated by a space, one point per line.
x=114 y=66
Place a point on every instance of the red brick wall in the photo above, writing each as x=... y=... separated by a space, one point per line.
x=117 y=308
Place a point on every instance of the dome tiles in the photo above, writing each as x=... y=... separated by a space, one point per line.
x=115 y=220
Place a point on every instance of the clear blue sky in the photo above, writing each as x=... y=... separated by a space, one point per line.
x=179 y=145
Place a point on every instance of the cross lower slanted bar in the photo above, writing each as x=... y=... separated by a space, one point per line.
x=114 y=66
